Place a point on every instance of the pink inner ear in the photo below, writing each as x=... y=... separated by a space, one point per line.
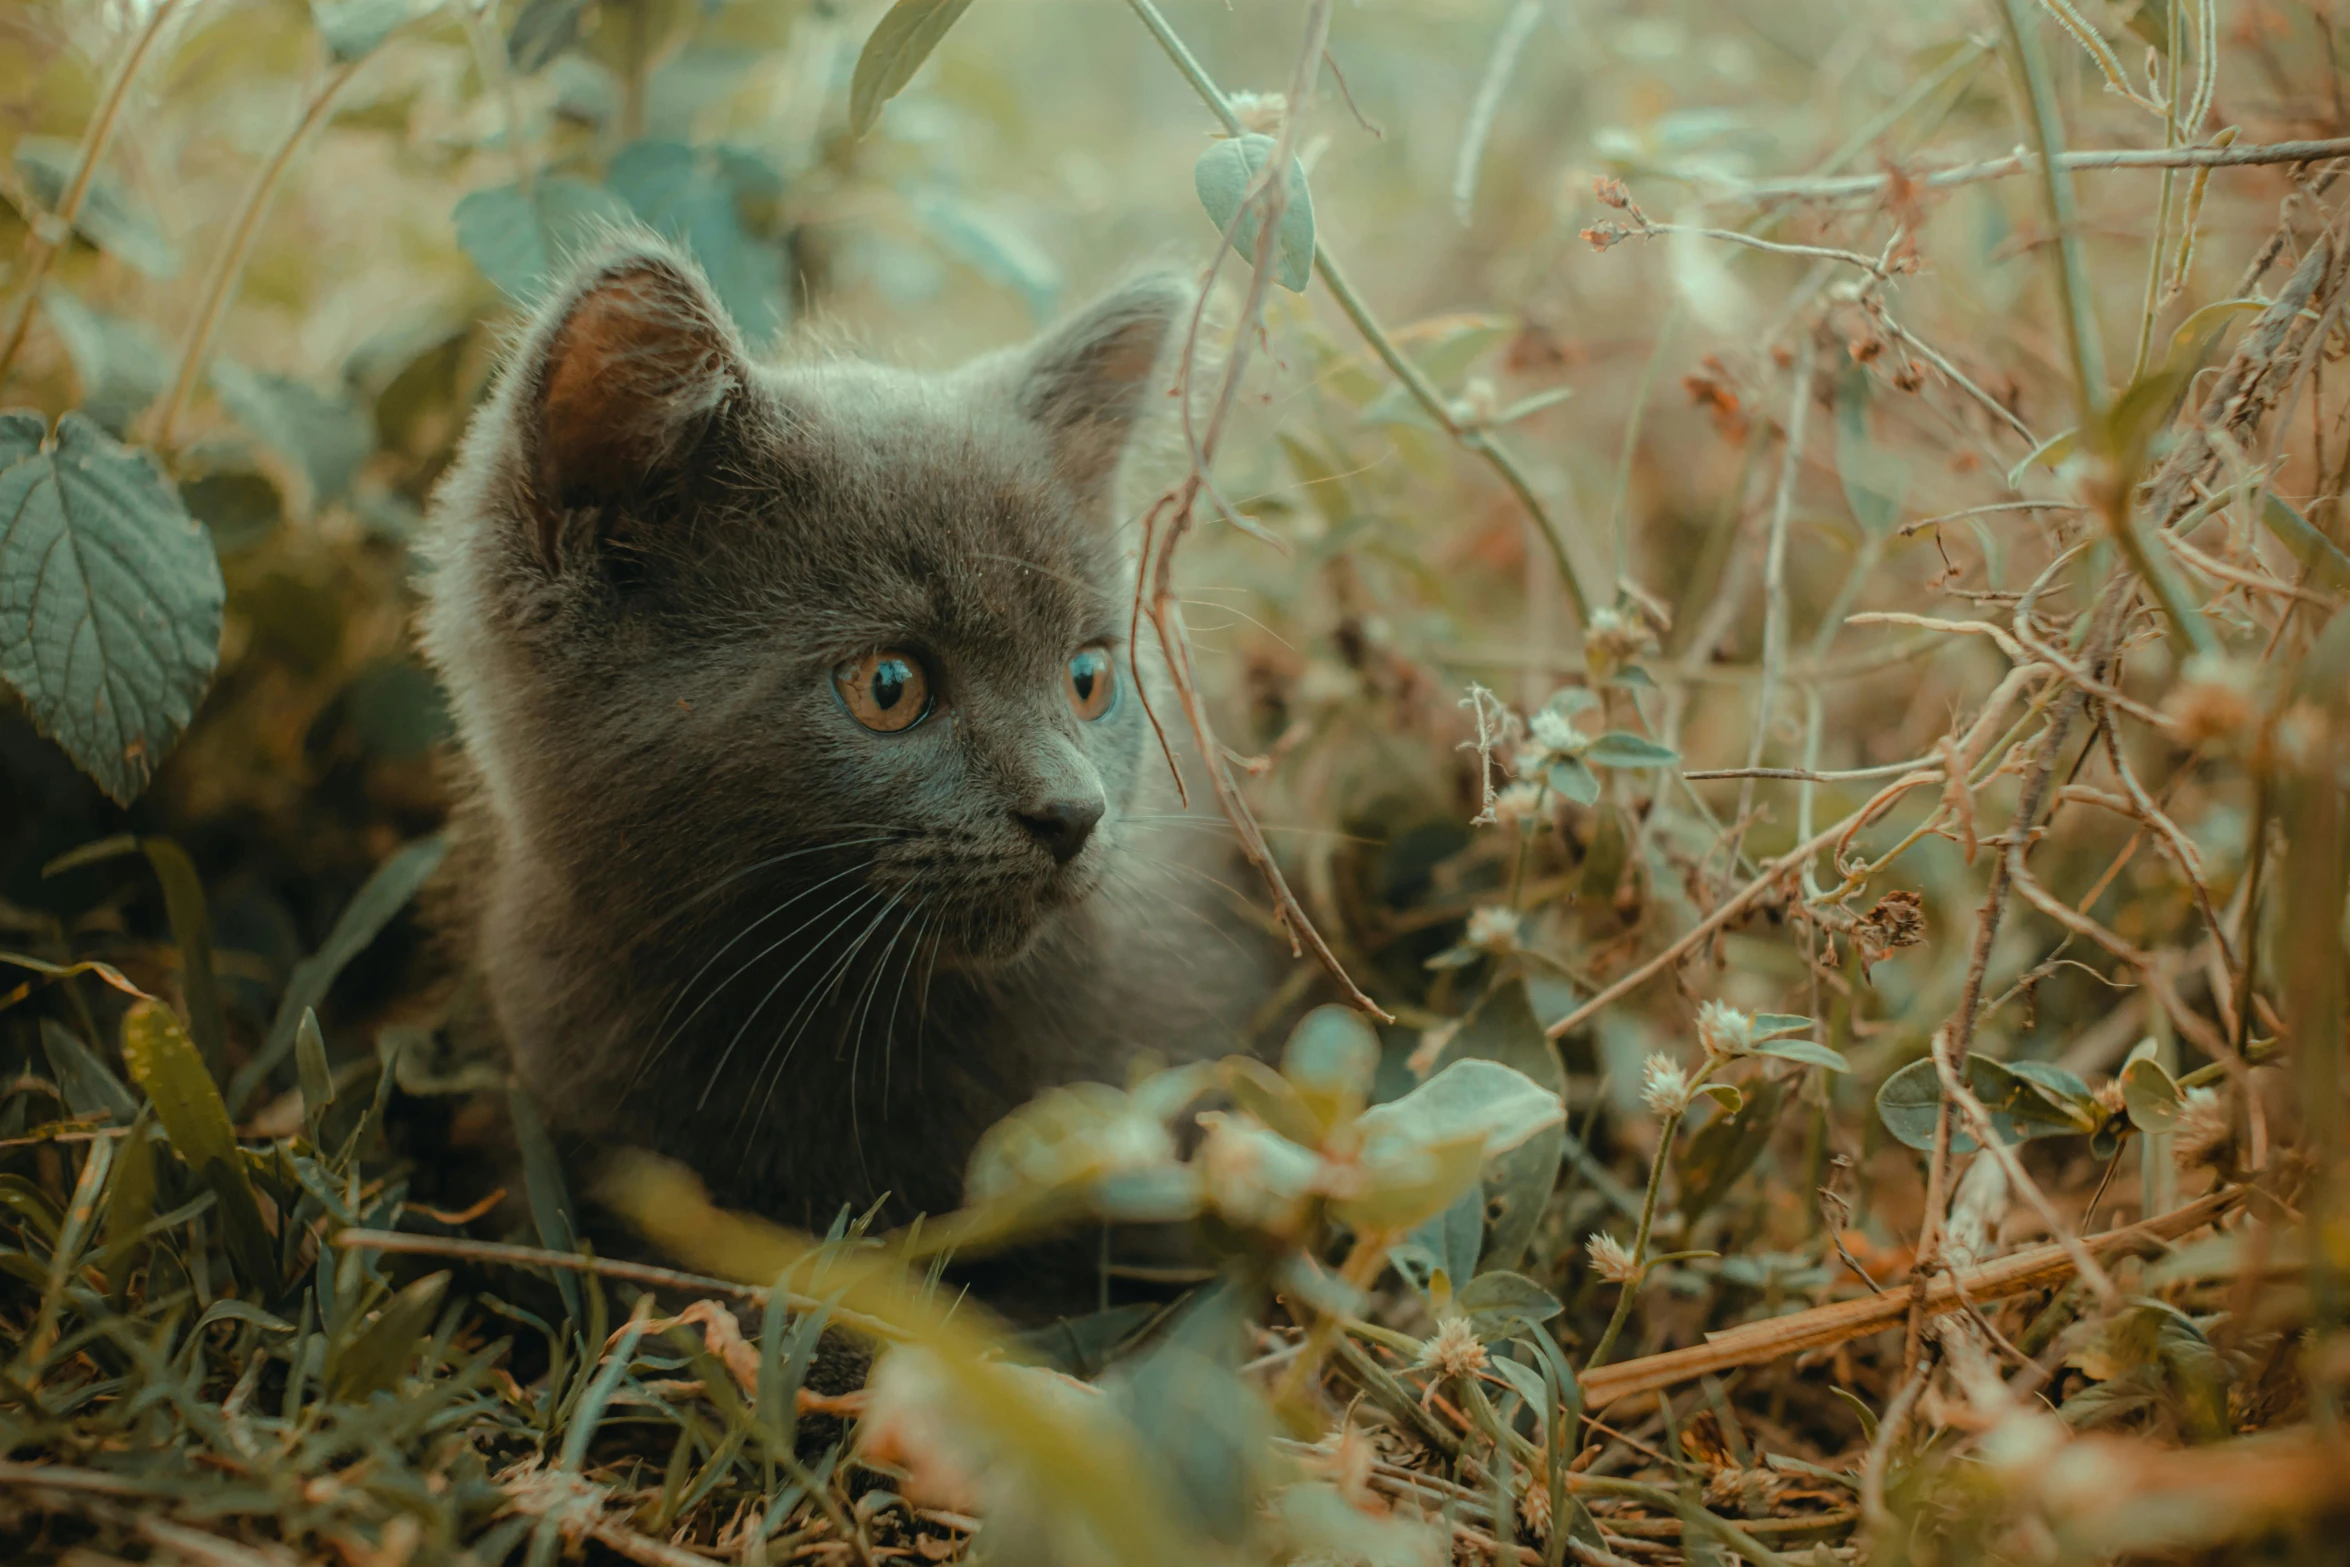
x=638 y=363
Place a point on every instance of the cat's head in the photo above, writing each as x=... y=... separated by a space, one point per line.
x=698 y=614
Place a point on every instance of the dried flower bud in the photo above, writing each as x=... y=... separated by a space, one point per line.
x=1261 y=113
x=1611 y=639
x=1606 y=236
x=1664 y=1086
x=2217 y=698
x=1454 y=1351
x=1494 y=928
x=1608 y=1257
x=1611 y=192
x=1724 y=1030
x=2205 y=1137
x=1534 y=1506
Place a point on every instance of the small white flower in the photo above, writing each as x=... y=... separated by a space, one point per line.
x=1611 y=639
x=1493 y=927
x=1520 y=802
x=1555 y=732
x=1664 y=1086
x=1454 y=1351
x=1724 y=1030
x=1260 y=112
x=1608 y=1257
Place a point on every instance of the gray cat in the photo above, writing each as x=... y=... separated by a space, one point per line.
x=810 y=818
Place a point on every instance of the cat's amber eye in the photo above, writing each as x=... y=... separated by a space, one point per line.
x=886 y=690
x=1093 y=682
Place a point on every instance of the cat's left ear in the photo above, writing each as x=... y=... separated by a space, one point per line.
x=1089 y=381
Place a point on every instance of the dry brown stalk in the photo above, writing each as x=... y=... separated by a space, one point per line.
x=1777 y=1337
x=2024 y=162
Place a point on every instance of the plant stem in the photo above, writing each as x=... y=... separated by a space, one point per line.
x=230 y=266
x=1656 y=1181
x=1486 y=444
x=49 y=236
x=2046 y=124
x=1362 y=1265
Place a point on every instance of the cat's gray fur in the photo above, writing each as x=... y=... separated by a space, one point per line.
x=715 y=917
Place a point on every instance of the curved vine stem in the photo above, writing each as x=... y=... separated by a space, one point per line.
x=49 y=235
x=221 y=285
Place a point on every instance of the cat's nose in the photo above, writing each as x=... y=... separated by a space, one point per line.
x=1062 y=825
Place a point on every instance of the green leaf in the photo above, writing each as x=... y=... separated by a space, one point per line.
x=1570 y=780
x=119 y=364
x=1809 y=1052
x=1423 y=1150
x=89 y=1088
x=1330 y=1059
x=992 y=245
x=2312 y=548
x=1451 y=1240
x=383 y=895
x=110 y=598
x=1223 y=177
x=696 y=197
x=1621 y=748
x=2150 y=1096
x=2048 y=453
x=318 y=1078
x=325 y=438
x=548 y=1192
x=1501 y=1304
x=1874 y=478
x=1518 y=1183
x=375 y=1358
x=1910 y=1103
x=1720 y=1152
x=520 y=241
x=107 y=218
x=1271 y=1098
x=1768 y=1024
x=1726 y=1095
x=163 y=1062
x=1469 y=1098
x=355 y=29
x=542 y=30
x=191 y=930
x=900 y=42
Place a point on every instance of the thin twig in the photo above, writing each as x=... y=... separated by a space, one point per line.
x=2024 y=162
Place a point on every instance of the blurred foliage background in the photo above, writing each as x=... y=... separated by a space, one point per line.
x=1683 y=276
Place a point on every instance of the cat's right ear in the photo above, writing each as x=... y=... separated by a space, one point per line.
x=630 y=366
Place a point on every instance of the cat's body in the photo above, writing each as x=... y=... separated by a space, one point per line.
x=728 y=904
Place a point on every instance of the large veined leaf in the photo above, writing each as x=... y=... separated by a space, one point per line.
x=520 y=240
x=110 y=597
x=901 y=41
x=1223 y=177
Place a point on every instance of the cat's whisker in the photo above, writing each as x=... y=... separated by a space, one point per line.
x=882 y=832
x=805 y=1014
x=1156 y=900
x=871 y=894
x=889 y=1031
x=660 y=1030
x=857 y=1050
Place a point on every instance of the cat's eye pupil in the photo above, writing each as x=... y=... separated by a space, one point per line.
x=1092 y=683
x=886 y=691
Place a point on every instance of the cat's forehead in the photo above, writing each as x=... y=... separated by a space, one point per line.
x=930 y=509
